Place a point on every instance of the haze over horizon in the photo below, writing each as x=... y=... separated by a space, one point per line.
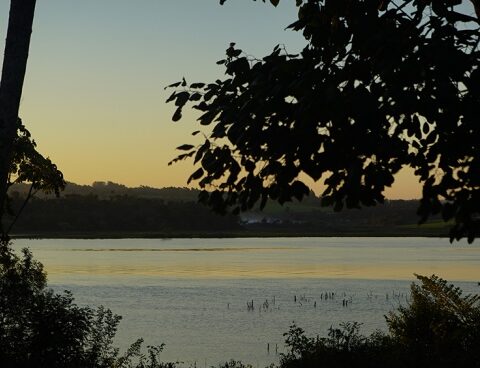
x=94 y=97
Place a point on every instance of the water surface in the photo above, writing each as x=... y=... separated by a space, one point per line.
x=192 y=294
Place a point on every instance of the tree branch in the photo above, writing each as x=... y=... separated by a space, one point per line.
x=29 y=195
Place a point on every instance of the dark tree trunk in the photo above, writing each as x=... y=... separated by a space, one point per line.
x=13 y=73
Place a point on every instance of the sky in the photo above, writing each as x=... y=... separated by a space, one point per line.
x=94 y=97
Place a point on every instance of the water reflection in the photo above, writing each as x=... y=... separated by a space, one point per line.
x=354 y=258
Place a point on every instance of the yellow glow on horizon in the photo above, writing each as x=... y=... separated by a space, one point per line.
x=133 y=147
x=94 y=97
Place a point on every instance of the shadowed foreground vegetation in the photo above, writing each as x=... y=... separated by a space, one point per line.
x=439 y=328
x=39 y=328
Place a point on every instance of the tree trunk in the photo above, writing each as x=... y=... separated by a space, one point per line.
x=13 y=73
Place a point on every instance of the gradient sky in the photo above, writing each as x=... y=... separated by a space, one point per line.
x=93 y=96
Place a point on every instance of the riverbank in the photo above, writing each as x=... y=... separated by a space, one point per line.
x=229 y=234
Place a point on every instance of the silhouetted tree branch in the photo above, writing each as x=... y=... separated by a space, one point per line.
x=380 y=85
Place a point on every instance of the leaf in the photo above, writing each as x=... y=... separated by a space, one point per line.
x=185 y=147
x=176 y=84
x=171 y=98
x=197 y=85
x=177 y=115
x=232 y=51
x=238 y=66
x=195 y=96
x=181 y=98
x=425 y=128
x=196 y=175
x=201 y=151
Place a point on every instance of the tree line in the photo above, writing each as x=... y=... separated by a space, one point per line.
x=86 y=216
x=111 y=209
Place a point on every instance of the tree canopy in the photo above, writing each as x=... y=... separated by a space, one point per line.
x=28 y=166
x=380 y=85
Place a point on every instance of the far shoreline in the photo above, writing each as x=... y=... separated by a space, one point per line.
x=225 y=235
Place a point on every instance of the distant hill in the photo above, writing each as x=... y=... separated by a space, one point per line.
x=108 y=189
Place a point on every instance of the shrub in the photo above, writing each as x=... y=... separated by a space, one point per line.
x=343 y=347
x=439 y=328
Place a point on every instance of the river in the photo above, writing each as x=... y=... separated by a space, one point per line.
x=192 y=294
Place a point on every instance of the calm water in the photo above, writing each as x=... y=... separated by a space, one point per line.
x=192 y=294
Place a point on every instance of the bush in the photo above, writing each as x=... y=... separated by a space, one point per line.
x=439 y=328
x=343 y=347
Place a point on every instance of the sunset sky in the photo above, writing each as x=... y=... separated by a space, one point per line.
x=94 y=96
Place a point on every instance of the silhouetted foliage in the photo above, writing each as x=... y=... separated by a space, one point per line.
x=439 y=328
x=343 y=347
x=28 y=167
x=380 y=85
